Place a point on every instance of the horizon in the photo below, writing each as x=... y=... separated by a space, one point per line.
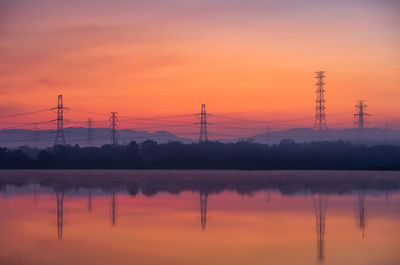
x=99 y=136
x=229 y=126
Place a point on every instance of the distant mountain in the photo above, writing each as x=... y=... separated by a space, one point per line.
x=368 y=136
x=78 y=135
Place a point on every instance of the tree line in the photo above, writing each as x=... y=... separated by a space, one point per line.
x=207 y=155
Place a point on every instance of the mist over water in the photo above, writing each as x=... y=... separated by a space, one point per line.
x=199 y=217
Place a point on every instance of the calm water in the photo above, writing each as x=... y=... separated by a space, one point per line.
x=46 y=222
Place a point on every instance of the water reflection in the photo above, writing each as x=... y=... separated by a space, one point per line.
x=60 y=213
x=113 y=206
x=320 y=206
x=35 y=194
x=247 y=227
x=203 y=207
x=360 y=209
x=89 y=200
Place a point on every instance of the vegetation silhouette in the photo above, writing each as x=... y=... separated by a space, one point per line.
x=207 y=155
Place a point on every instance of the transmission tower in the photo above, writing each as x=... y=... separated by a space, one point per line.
x=35 y=134
x=203 y=124
x=360 y=115
x=387 y=126
x=268 y=134
x=114 y=128
x=90 y=136
x=320 y=116
x=60 y=122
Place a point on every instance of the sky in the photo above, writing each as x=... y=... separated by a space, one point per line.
x=253 y=59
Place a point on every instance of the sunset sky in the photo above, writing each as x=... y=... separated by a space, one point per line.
x=254 y=59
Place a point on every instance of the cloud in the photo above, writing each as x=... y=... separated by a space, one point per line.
x=84 y=47
x=51 y=82
x=9 y=108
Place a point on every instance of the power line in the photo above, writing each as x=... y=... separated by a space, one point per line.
x=87 y=112
x=23 y=113
x=159 y=118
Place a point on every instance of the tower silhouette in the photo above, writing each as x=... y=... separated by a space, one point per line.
x=320 y=207
x=203 y=124
x=35 y=193
x=114 y=128
x=89 y=200
x=360 y=115
x=113 y=206
x=203 y=209
x=268 y=134
x=60 y=213
x=360 y=217
x=90 y=136
x=60 y=140
x=35 y=134
x=320 y=115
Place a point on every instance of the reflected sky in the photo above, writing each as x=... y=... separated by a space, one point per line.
x=44 y=225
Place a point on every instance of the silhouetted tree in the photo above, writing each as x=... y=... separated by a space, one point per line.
x=208 y=155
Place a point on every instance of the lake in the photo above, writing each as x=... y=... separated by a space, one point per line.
x=199 y=217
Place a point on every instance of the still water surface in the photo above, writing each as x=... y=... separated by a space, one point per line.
x=44 y=223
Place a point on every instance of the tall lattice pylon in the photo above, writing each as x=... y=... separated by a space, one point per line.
x=203 y=124
x=35 y=134
x=60 y=140
x=268 y=134
x=90 y=136
x=360 y=115
x=320 y=115
x=114 y=128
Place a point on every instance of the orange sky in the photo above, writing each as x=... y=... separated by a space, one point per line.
x=256 y=58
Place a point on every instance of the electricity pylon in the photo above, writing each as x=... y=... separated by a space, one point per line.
x=360 y=115
x=114 y=128
x=320 y=115
x=203 y=124
x=60 y=140
x=90 y=136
